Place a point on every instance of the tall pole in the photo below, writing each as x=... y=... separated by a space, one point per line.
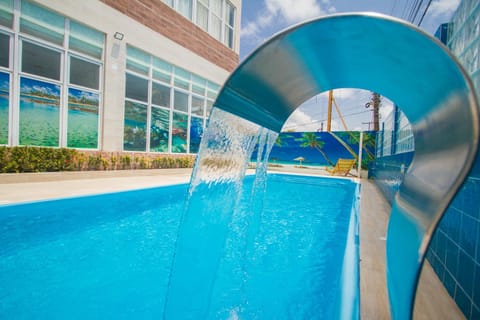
x=329 y=110
x=360 y=147
x=376 y=100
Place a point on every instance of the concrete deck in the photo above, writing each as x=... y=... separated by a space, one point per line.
x=433 y=302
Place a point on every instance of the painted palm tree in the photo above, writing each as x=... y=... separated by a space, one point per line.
x=310 y=139
x=280 y=142
x=354 y=138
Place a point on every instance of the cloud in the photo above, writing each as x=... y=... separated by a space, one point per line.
x=443 y=8
x=285 y=12
x=294 y=10
x=249 y=30
x=301 y=121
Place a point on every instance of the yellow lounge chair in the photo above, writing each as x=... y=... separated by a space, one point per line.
x=342 y=168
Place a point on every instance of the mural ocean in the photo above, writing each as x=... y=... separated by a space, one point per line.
x=318 y=149
x=4 y=94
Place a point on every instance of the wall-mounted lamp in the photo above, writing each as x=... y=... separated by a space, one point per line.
x=118 y=36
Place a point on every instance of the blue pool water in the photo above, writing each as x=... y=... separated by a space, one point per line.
x=109 y=256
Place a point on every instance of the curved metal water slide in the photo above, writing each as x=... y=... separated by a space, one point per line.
x=397 y=60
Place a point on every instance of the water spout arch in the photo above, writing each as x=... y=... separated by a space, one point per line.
x=388 y=56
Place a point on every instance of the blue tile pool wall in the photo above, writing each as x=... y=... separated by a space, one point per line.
x=454 y=251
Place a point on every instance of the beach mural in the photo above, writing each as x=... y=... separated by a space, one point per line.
x=4 y=98
x=159 y=130
x=135 y=126
x=319 y=149
x=39 y=113
x=82 y=119
x=179 y=132
x=196 y=131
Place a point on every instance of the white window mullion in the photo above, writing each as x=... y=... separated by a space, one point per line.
x=149 y=107
x=14 y=108
x=64 y=79
x=170 y=120
x=194 y=12
x=222 y=22
x=189 y=115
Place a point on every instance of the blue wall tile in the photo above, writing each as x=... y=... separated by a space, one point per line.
x=437 y=266
x=466 y=272
x=451 y=224
x=468 y=234
x=476 y=289
x=463 y=302
x=478 y=246
x=451 y=259
x=475 y=313
x=449 y=283
x=441 y=246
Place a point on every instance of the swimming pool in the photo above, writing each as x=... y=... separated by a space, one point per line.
x=109 y=256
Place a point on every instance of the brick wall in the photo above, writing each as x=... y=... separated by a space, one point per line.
x=161 y=18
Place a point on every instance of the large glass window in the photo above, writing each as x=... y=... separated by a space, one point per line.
x=84 y=73
x=216 y=29
x=151 y=86
x=198 y=106
x=185 y=8
x=180 y=101
x=216 y=7
x=39 y=113
x=4 y=50
x=4 y=98
x=196 y=132
x=6 y=13
x=202 y=15
x=137 y=61
x=179 y=132
x=160 y=95
x=212 y=90
x=40 y=61
x=86 y=40
x=162 y=70
x=135 y=127
x=229 y=24
x=159 y=130
x=209 y=108
x=182 y=78
x=136 y=88
x=42 y=23
x=198 y=85
x=217 y=17
x=58 y=82
x=82 y=119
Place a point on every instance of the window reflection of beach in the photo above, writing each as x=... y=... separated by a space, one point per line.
x=39 y=122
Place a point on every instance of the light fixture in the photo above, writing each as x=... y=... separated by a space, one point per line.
x=118 y=36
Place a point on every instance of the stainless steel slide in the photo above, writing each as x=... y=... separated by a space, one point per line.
x=399 y=61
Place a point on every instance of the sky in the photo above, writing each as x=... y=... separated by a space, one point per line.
x=261 y=19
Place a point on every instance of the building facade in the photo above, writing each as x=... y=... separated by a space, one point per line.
x=113 y=75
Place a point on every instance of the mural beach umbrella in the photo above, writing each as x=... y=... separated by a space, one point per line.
x=299 y=159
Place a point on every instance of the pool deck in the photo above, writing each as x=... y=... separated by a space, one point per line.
x=433 y=301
